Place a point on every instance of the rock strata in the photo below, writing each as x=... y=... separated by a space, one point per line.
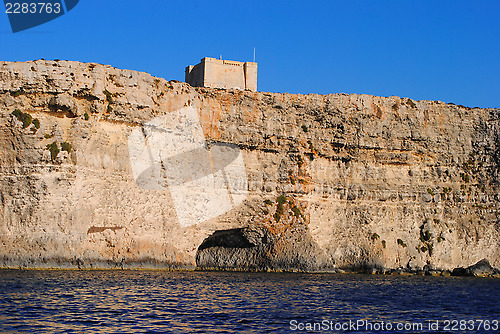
x=335 y=182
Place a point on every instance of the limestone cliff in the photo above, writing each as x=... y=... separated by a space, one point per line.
x=335 y=182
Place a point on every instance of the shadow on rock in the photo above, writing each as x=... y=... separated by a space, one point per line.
x=480 y=269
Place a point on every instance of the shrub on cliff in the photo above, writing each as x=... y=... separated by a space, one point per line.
x=54 y=150
x=65 y=146
x=18 y=114
x=25 y=118
x=281 y=199
x=296 y=212
x=36 y=123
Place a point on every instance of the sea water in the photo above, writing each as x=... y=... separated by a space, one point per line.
x=121 y=301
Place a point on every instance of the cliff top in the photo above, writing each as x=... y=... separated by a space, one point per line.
x=74 y=77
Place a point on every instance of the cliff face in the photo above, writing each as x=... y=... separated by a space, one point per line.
x=335 y=181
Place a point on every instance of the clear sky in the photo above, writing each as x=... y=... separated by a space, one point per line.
x=433 y=50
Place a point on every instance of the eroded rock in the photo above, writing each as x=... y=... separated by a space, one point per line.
x=365 y=173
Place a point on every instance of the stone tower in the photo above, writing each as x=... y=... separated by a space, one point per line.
x=218 y=73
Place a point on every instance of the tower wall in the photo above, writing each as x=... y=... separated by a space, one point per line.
x=195 y=75
x=251 y=76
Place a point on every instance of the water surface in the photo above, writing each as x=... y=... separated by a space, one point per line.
x=117 y=301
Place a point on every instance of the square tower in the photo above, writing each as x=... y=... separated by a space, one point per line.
x=218 y=73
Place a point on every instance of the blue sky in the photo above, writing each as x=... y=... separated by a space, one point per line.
x=433 y=50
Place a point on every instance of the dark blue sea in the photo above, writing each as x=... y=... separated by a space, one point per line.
x=67 y=301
